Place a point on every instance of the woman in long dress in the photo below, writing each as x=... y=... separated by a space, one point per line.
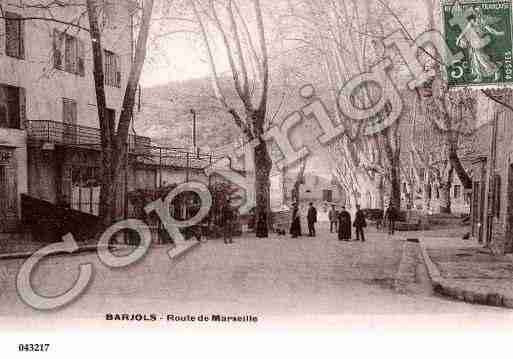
x=344 y=225
x=295 y=226
x=472 y=37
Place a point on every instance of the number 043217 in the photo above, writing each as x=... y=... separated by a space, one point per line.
x=33 y=347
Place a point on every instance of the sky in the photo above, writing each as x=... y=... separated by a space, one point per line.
x=177 y=60
x=179 y=57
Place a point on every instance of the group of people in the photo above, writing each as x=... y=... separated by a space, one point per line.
x=341 y=221
x=389 y=217
x=311 y=218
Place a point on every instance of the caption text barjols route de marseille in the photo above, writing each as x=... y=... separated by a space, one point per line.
x=182 y=318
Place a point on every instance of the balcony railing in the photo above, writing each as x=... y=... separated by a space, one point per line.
x=89 y=137
x=177 y=157
x=80 y=136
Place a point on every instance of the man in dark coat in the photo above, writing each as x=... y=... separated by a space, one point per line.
x=359 y=223
x=312 y=219
x=295 y=225
x=344 y=225
x=391 y=217
x=228 y=219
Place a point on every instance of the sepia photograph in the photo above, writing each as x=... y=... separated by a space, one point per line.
x=317 y=169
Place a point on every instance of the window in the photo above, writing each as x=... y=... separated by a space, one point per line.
x=112 y=69
x=68 y=53
x=327 y=195
x=14 y=36
x=12 y=106
x=69 y=120
x=457 y=191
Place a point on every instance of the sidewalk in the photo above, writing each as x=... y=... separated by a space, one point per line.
x=464 y=270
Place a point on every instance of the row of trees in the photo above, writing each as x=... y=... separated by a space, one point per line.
x=327 y=42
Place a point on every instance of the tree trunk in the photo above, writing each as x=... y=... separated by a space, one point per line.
x=393 y=156
x=445 y=198
x=115 y=144
x=263 y=166
x=395 y=190
x=107 y=189
x=380 y=194
x=445 y=194
x=426 y=196
x=462 y=174
x=108 y=200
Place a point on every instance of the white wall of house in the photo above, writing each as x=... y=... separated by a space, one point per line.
x=46 y=86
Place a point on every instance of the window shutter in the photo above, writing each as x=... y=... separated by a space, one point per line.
x=118 y=70
x=13 y=35
x=23 y=107
x=21 y=39
x=58 y=40
x=81 y=58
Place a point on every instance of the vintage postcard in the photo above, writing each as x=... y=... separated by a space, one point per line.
x=236 y=169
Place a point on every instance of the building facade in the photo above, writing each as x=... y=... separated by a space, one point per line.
x=49 y=130
x=428 y=198
x=492 y=176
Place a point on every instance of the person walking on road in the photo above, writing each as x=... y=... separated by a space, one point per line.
x=344 y=225
x=380 y=219
x=312 y=219
x=295 y=225
x=391 y=217
x=333 y=217
x=359 y=223
x=228 y=219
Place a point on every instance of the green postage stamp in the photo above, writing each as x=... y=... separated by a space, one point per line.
x=481 y=30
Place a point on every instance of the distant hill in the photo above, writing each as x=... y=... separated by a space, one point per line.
x=165 y=112
x=165 y=115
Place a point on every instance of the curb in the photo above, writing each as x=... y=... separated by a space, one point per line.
x=448 y=288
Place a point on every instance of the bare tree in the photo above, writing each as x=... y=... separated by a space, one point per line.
x=114 y=142
x=248 y=59
x=340 y=32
